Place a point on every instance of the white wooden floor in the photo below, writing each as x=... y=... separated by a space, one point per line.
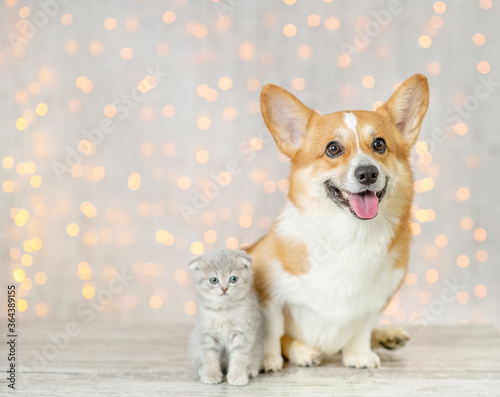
x=123 y=359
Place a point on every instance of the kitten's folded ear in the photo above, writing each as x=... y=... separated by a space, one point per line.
x=244 y=259
x=196 y=262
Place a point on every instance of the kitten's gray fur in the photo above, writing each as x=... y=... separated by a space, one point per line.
x=228 y=332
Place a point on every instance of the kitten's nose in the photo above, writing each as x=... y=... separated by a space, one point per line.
x=223 y=289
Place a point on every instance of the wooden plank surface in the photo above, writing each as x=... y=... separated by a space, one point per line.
x=117 y=359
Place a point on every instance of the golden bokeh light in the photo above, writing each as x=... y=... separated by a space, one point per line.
x=463 y=194
x=84 y=271
x=463 y=261
x=298 y=84
x=8 y=162
x=368 y=82
x=225 y=83
x=424 y=41
x=169 y=17
x=466 y=223
x=305 y=51
x=134 y=181
x=95 y=47
x=184 y=182
x=42 y=109
x=332 y=23
x=42 y=310
x=441 y=241
x=126 y=53
x=313 y=20
x=411 y=279
x=40 y=278
x=481 y=256
x=203 y=122
x=21 y=124
x=66 y=19
x=110 y=24
x=88 y=291
x=344 y=60
x=483 y=67
x=480 y=291
x=478 y=39
x=197 y=248
x=432 y=276
x=480 y=234
x=245 y=221
x=22 y=305
x=462 y=297
x=36 y=181
x=155 y=302
x=162 y=236
x=72 y=229
x=8 y=186
x=232 y=243
x=19 y=275
x=289 y=30
x=168 y=111
x=210 y=236
x=439 y=7
x=27 y=260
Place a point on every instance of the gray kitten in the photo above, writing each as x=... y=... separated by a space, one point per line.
x=228 y=332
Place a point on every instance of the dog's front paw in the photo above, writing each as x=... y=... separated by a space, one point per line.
x=304 y=356
x=361 y=360
x=273 y=363
x=239 y=379
x=390 y=337
x=211 y=377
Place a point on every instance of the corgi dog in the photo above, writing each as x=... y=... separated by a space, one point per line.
x=338 y=251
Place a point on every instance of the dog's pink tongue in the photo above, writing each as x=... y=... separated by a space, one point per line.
x=366 y=206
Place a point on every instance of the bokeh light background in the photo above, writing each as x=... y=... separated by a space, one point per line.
x=119 y=206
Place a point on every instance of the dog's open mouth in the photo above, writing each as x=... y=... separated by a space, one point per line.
x=363 y=205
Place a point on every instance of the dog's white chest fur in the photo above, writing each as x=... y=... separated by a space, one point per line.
x=351 y=275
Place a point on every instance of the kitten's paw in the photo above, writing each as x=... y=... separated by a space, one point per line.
x=239 y=379
x=211 y=377
x=273 y=362
x=303 y=355
x=253 y=371
x=390 y=337
x=361 y=360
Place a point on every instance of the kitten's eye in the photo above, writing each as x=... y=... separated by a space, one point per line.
x=379 y=145
x=334 y=149
x=214 y=280
x=233 y=279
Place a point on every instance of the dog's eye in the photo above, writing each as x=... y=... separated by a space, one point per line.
x=333 y=149
x=379 y=145
x=213 y=280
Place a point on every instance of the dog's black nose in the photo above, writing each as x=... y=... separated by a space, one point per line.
x=366 y=174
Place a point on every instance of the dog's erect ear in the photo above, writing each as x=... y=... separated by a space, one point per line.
x=407 y=106
x=244 y=259
x=286 y=117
